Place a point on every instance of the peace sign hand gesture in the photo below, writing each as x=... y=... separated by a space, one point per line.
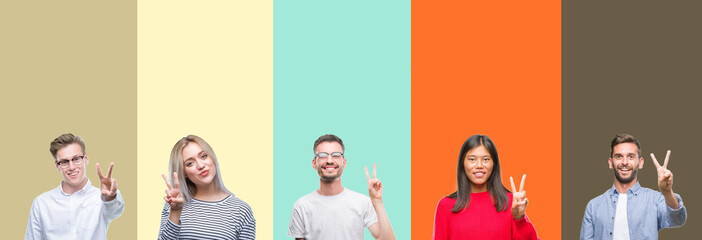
x=173 y=196
x=375 y=187
x=108 y=185
x=519 y=199
x=665 y=177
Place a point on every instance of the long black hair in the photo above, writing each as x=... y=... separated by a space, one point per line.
x=498 y=192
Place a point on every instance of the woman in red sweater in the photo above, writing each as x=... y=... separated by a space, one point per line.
x=482 y=208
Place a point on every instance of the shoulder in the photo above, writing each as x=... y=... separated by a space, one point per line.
x=305 y=199
x=239 y=204
x=46 y=196
x=446 y=202
x=595 y=202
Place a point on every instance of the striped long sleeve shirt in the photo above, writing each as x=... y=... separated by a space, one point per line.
x=229 y=218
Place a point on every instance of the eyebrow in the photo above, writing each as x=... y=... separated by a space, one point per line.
x=198 y=154
x=74 y=156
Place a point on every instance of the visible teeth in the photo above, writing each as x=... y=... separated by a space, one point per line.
x=73 y=173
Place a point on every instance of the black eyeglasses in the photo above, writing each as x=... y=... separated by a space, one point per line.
x=76 y=160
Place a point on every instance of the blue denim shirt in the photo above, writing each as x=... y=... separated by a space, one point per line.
x=647 y=213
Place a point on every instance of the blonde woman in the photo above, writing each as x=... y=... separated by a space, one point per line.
x=198 y=206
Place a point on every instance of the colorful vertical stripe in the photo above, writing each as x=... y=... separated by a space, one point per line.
x=206 y=69
x=486 y=68
x=342 y=68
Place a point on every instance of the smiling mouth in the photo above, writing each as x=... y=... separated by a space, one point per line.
x=479 y=174
x=625 y=169
x=330 y=167
x=72 y=174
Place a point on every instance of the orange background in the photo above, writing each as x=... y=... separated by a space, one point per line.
x=491 y=68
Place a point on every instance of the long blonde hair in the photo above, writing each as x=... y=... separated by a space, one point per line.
x=188 y=188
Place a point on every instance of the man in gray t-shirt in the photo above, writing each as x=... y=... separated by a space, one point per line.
x=333 y=212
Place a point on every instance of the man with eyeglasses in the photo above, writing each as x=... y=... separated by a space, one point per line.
x=332 y=211
x=75 y=209
x=627 y=210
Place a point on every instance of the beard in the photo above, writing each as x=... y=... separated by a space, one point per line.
x=626 y=180
x=329 y=178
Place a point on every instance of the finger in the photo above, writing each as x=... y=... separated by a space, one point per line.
x=655 y=161
x=665 y=162
x=175 y=179
x=521 y=185
x=374 y=170
x=367 y=176
x=168 y=194
x=97 y=165
x=167 y=183
x=511 y=181
x=113 y=188
x=109 y=170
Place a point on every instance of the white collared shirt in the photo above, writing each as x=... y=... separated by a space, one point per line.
x=81 y=215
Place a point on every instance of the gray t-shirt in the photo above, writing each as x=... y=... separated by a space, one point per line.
x=342 y=216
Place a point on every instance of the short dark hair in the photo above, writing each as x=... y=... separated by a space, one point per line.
x=328 y=138
x=65 y=140
x=624 y=138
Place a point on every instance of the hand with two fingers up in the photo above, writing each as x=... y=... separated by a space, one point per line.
x=519 y=199
x=108 y=185
x=665 y=176
x=665 y=181
x=173 y=196
x=375 y=187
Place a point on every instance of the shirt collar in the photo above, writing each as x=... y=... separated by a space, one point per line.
x=634 y=189
x=87 y=185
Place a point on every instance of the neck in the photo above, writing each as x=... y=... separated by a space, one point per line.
x=624 y=187
x=72 y=189
x=209 y=193
x=478 y=188
x=330 y=188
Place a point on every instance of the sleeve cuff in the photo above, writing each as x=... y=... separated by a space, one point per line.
x=680 y=205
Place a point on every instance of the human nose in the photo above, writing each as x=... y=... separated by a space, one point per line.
x=480 y=164
x=200 y=164
x=71 y=165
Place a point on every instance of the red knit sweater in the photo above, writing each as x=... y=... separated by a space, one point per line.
x=480 y=220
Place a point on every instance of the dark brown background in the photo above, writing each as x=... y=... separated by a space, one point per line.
x=630 y=67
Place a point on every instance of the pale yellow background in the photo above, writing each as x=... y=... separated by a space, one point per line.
x=66 y=66
x=206 y=68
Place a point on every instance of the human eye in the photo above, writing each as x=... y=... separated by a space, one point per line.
x=204 y=156
x=63 y=162
x=336 y=154
x=487 y=159
x=189 y=164
x=470 y=159
x=322 y=155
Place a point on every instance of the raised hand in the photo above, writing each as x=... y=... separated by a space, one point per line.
x=108 y=185
x=375 y=187
x=519 y=199
x=665 y=177
x=173 y=196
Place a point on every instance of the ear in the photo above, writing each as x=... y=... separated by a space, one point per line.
x=343 y=161
x=641 y=162
x=610 y=163
x=314 y=163
x=85 y=158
